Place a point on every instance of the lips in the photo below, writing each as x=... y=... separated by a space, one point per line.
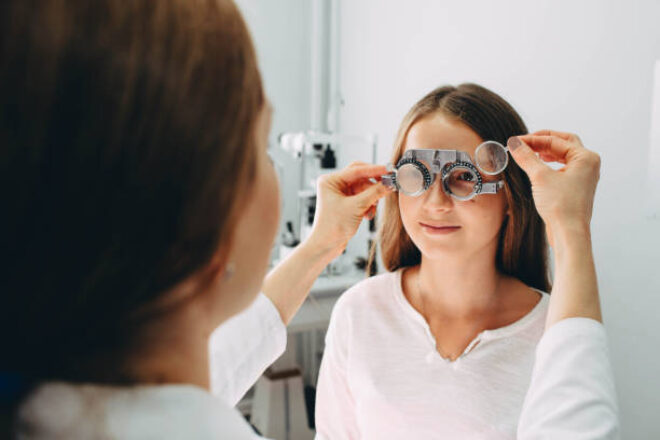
x=436 y=230
x=439 y=227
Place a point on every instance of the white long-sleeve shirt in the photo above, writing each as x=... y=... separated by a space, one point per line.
x=240 y=350
x=382 y=377
x=571 y=394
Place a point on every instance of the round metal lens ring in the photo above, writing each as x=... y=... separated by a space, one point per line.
x=426 y=175
x=446 y=172
x=506 y=155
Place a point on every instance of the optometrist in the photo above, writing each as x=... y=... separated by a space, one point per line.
x=572 y=393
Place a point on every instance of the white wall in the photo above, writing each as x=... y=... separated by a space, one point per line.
x=580 y=66
x=282 y=34
x=292 y=40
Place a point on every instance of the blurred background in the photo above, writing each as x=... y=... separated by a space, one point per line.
x=341 y=75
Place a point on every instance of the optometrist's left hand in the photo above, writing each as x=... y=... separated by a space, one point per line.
x=564 y=198
x=344 y=198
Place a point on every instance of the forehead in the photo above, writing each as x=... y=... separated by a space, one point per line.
x=437 y=131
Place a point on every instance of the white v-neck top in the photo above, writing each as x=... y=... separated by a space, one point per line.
x=382 y=377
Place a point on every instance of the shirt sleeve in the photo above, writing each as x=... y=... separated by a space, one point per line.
x=243 y=347
x=572 y=393
x=335 y=408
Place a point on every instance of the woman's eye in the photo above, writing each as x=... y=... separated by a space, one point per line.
x=466 y=177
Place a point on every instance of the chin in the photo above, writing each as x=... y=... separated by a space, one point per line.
x=438 y=252
x=437 y=249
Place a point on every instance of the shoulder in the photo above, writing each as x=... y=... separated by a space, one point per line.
x=530 y=312
x=62 y=410
x=368 y=300
x=543 y=302
x=522 y=298
x=370 y=291
x=368 y=303
x=173 y=411
x=183 y=411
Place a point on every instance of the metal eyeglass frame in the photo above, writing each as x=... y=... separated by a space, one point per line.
x=442 y=163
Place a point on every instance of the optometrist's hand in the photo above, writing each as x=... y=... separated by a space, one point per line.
x=344 y=198
x=564 y=198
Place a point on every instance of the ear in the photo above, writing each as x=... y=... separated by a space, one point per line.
x=507 y=209
x=219 y=267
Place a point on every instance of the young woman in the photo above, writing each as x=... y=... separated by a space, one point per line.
x=442 y=346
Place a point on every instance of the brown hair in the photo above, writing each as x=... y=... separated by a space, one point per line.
x=522 y=250
x=127 y=144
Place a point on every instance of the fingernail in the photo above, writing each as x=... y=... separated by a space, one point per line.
x=513 y=143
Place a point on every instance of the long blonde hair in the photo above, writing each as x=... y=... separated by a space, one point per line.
x=522 y=250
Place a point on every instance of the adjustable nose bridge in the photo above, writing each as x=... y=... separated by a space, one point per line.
x=436 y=197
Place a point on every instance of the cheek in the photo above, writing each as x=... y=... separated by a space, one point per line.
x=253 y=240
x=487 y=212
x=409 y=209
x=260 y=221
x=265 y=210
x=272 y=202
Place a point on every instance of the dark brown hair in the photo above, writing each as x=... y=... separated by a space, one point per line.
x=522 y=250
x=126 y=130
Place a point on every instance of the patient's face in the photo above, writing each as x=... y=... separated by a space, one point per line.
x=478 y=221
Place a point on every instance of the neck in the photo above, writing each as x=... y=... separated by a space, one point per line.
x=459 y=286
x=173 y=349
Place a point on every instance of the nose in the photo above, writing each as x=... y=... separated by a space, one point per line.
x=436 y=199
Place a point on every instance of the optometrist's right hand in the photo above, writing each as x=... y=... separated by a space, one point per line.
x=344 y=198
x=564 y=198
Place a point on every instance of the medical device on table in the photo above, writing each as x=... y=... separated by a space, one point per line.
x=317 y=153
